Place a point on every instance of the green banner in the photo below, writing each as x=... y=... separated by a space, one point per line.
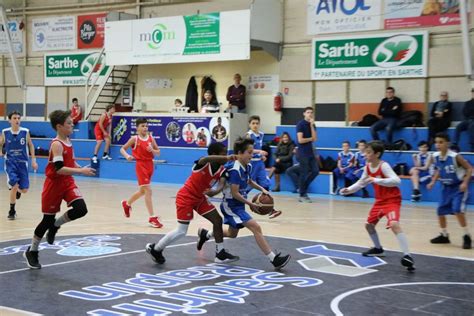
x=202 y=34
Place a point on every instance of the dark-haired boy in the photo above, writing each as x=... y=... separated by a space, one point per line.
x=144 y=149
x=59 y=185
x=192 y=197
x=17 y=141
x=420 y=173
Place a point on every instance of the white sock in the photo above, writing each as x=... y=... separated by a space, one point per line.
x=62 y=220
x=466 y=230
x=210 y=234
x=403 y=242
x=172 y=236
x=375 y=240
x=35 y=243
x=444 y=232
x=219 y=247
x=271 y=256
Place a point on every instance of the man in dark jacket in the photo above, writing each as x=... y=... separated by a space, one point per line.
x=390 y=109
x=468 y=123
x=440 y=117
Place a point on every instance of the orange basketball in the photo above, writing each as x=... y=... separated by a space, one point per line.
x=265 y=203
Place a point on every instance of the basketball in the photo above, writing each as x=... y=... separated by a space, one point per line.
x=265 y=203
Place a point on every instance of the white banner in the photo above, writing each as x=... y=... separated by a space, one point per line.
x=16 y=36
x=54 y=33
x=336 y=16
x=267 y=83
x=208 y=37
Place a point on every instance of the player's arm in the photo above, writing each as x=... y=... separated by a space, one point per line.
x=258 y=187
x=467 y=177
x=434 y=178
x=361 y=183
x=218 y=189
x=391 y=180
x=124 y=148
x=234 y=190
x=416 y=163
x=428 y=163
x=58 y=161
x=339 y=162
x=2 y=141
x=34 y=165
x=154 y=147
x=215 y=158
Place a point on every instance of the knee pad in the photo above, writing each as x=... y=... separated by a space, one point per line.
x=79 y=209
x=44 y=225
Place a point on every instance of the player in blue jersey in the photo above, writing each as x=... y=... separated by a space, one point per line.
x=259 y=174
x=422 y=170
x=359 y=164
x=454 y=172
x=345 y=167
x=17 y=145
x=234 y=183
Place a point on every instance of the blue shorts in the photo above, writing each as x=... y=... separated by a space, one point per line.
x=17 y=173
x=259 y=174
x=452 y=201
x=425 y=176
x=235 y=216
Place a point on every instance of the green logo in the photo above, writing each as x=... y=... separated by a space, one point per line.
x=159 y=35
x=88 y=63
x=395 y=51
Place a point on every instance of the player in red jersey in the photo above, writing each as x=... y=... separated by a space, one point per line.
x=59 y=185
x=76 y=111
x=192 y=196
x=102 y=132
x=144 y=148
x=388 y=201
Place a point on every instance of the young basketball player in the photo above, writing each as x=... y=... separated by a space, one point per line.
x=359 y=160
x=144 y=148
x=17 y=141
x=234 y=185
x=206 y=172
x=345 y=167
x=102 y=132
x=388 y=201
x=258 y=173
x=59 y=185
x=454 y=172
x=420 y=173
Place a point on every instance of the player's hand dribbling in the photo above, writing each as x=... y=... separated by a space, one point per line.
x=265 y=192
x=86 y=171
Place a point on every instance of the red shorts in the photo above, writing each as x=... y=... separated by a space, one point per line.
x=144 y=170
x=98 y=134
x=185 y=206
x=57 y=190
x=389 y=210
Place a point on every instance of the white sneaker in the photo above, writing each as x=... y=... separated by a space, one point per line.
x=106 y=157
x=94 y=159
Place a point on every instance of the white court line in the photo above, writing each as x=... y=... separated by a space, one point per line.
x=335 y=302
x=94 y=258
x=17 y=311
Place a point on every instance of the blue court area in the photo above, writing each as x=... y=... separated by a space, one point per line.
x=112 y=275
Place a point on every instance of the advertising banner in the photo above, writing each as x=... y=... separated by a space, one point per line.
x=57 y=33
x=16 y=36
x=90 y=31
x=204 y=37
x=267 y=83
x=336 y=16
x=421 y=13
x=370 y=56
x=71 y=69
x=175 y=131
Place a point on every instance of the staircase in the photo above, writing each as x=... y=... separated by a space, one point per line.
x=107 y=91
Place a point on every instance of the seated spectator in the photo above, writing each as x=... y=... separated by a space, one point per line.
x=208 y=105
x=283 y=158
x=345 y=167
x=178 y=103
x=468 y=123
x=359 y=164
x=421 y=172
x=440 y=117
x=390 y=109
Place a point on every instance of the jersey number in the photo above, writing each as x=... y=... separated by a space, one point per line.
x=22 y=141
x=449 y=169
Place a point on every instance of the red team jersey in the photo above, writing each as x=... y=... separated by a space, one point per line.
x=144 y=166
x=59 y=187
x=191 y=196
x=388 y=200
x=74 y=113
x=97 y=131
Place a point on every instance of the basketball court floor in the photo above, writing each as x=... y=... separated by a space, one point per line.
x=98 y=265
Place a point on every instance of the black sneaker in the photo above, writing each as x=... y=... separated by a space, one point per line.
x=202 y=234
x=441 y=239
x=280 y=261
x=225 y=257
x=11 y=215
x=32 y=259
x=467 y=244
x=408 y=262
x=416 y=196
x=51 y=234
x=374 y=252
x=18 y=195
x=157 y=256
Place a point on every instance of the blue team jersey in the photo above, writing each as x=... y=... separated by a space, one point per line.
x=236 y=173
x=345 y=159
x=258 y=143
x=360 y=159
x=16 y=144
x=450 y=173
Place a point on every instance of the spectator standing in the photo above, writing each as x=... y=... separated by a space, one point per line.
x=390 y=109
x=209 y=105
x=468 y=123
x=440 y=117
x=236 y=95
